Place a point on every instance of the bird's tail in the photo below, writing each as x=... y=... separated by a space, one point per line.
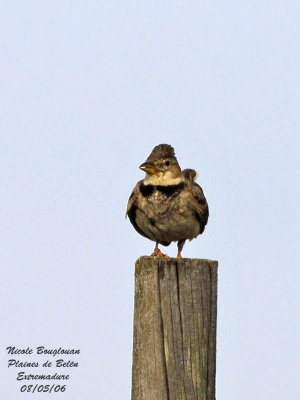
x=190 y=174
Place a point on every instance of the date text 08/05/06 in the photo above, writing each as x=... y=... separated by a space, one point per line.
x=42 y=388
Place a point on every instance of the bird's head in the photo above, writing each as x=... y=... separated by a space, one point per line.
x=162 y=167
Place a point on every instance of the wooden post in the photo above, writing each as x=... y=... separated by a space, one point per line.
x=174 y=343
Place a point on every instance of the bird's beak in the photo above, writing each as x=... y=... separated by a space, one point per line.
x=149 y=168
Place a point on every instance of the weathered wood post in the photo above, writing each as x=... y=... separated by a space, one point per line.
x=174 y=343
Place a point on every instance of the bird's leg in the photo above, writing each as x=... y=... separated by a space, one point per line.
x=180 y=245
x=158 y=253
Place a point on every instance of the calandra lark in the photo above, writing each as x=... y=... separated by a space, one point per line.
x=168 y=205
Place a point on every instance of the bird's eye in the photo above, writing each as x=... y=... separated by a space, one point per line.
x=167 y=163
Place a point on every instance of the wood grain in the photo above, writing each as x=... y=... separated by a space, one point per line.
x=174 y=345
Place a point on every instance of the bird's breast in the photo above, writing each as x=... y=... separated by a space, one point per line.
x=165 y=214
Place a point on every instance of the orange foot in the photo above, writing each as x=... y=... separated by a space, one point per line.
x=158 y=253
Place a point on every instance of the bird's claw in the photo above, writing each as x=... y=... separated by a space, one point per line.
x=158 y=253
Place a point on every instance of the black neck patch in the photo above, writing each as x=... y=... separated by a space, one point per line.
x=146 y=190
x=168 y=190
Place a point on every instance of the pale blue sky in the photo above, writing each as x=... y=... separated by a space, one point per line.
x=88 y=88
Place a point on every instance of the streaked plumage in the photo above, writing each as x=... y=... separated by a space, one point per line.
x=168 y=205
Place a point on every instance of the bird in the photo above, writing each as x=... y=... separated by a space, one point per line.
x=167 y=205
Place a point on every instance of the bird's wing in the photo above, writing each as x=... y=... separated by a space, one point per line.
x=199 y=204
x=132 y=200
x=132 y=207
